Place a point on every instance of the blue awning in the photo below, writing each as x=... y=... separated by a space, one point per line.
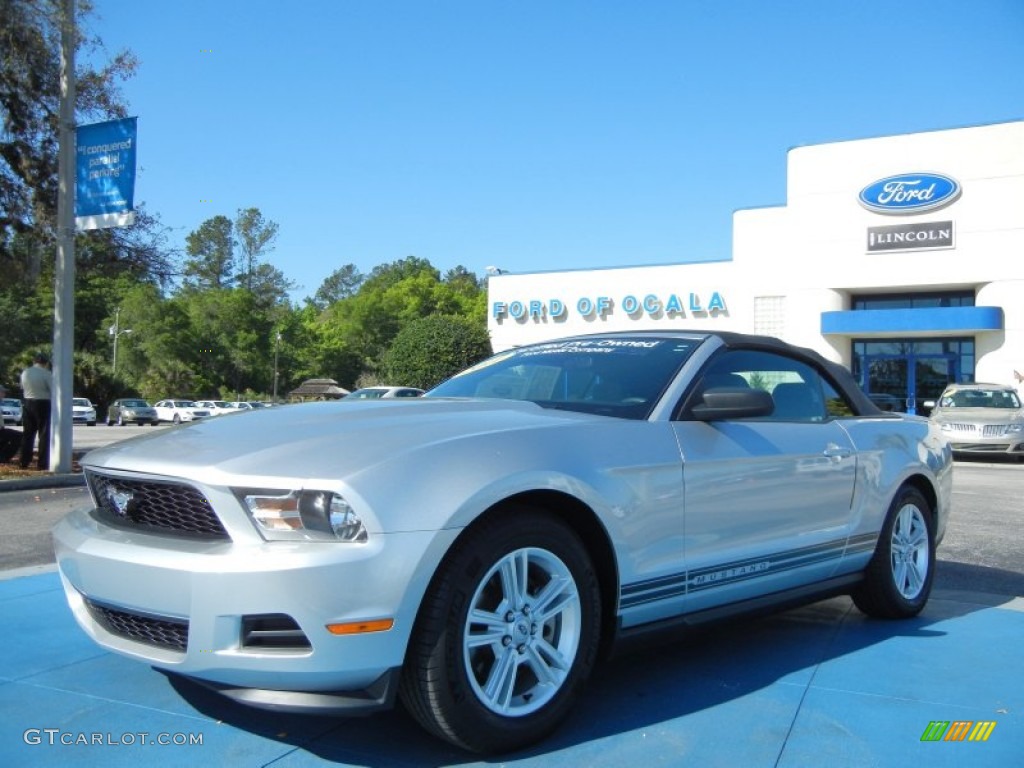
x=942 y=320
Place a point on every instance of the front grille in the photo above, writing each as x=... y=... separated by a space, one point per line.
x=961 y=427
x=159 y=631
x=151 y=504
x=993 y=430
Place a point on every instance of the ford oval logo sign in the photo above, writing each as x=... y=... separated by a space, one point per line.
x=909 y=193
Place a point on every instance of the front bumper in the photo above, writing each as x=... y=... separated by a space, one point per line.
x=189 y=606
x=378 y=696
x=1012 y=447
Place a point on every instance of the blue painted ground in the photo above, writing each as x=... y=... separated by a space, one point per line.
x=817 y=686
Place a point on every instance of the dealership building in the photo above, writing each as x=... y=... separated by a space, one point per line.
x=901 y=257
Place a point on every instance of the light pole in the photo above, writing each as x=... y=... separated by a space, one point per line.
x=116 y=331
x=277 y=343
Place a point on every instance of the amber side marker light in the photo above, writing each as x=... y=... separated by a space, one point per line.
x=361 y=627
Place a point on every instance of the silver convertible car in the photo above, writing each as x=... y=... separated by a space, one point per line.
x=475 y=552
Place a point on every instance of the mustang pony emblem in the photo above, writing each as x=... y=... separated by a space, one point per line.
x=121 y=501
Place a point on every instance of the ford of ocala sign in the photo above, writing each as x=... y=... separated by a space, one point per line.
x=909 y=193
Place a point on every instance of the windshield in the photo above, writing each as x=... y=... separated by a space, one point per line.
x=363 y=394
x=619 y=376
x=980 y=398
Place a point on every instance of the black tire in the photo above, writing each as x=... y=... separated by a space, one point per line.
x=176 y=419
x=446 y=673
x=120 y=420
x=898 y=580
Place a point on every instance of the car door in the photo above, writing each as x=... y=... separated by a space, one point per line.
x=767 y=500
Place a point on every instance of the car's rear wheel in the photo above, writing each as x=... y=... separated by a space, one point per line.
x=120 y=420
x=898 y=580
x=507 y=634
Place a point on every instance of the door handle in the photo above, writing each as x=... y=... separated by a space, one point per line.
x=836 y=452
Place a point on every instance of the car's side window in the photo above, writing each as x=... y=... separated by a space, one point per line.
x=798 y=391
x=836 y=405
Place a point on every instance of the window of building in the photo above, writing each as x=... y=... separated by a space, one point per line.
x=913 y=300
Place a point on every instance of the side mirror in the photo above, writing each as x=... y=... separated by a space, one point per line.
x=928 y=403
x=721 y=403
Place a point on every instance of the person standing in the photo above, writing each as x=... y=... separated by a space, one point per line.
x=36 y=390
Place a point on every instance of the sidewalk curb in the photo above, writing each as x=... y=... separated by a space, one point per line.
x=42 y=483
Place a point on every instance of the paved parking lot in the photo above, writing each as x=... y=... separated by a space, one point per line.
x=820 y=685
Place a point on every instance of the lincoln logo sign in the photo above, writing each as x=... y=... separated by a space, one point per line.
x=909 y=193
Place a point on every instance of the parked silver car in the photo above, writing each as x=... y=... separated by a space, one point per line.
x=982 y=419
x=131 y=410
x=475 y=551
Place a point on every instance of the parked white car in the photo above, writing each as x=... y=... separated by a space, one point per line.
x=83 y=411
x=10 y=411
x=216 y=407
x=177 y=411
x=383 y=392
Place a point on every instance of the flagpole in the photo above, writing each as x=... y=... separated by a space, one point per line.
x=61 y=419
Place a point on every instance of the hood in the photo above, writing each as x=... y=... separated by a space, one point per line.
x=978 y=416
x=319 y=440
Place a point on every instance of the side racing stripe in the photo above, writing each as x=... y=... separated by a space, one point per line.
x=725 y=574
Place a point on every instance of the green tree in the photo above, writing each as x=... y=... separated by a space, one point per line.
x=29 y=111
x=431 y=349
x=210 y=250
x=256 y=236
x=340 y=284
x=393 y=296
x=29 y=94
x=462 y=278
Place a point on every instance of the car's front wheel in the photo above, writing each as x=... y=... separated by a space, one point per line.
x=898 y=580
x=507 y=634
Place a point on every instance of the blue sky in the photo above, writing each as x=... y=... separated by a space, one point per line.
x=530 y=135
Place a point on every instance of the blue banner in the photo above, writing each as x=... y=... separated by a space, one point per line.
x=105 y=174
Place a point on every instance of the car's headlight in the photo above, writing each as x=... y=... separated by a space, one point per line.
x=302 y=515
x=1015 y=428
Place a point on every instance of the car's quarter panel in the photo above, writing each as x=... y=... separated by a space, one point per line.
x=767 y=507
x=893 y=451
